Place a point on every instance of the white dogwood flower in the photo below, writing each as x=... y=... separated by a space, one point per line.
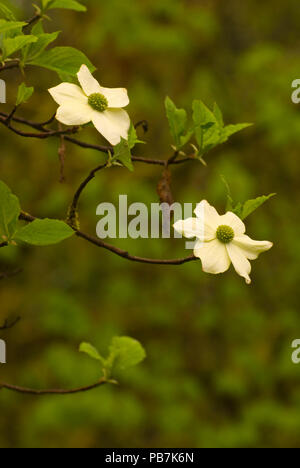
x=221 y=240
x=93 y=103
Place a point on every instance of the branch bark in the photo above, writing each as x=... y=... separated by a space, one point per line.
x=31 y=391
x=44 y=133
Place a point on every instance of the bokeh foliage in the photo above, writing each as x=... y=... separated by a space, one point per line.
x=218 y=372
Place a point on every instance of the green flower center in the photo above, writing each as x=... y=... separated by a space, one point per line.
x=98 y=102
x=225 y=234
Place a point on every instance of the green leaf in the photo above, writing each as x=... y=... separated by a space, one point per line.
x=252 y=205
x=34 y=50
x=133 y=138
x=62 y=60
x=125 y=352
x=7 y=13
x=229 y=205
x=205 y=126
x=44 y=232
x=91 y=351
x=9 y=211
x=6 y=26
x=209 y=127
x=238 y=210
x=230 y=130
x=218 y=115
x=24 y=94
x=68 y=4
x=12 y=45
x=122 y=154
x=178 y=124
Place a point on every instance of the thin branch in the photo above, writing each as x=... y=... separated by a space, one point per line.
x=30 y=391
x=10 y=274
x=10 y=116
x=40 y=136
x=82 y=186
x=144 y=124
x=30 y=123
x=32 y=21
x=127 y=256
x=7 y=325
x=117 y=251
x=101 y=148
x=9 y=66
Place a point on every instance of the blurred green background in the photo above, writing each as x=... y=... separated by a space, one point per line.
x=219 y=370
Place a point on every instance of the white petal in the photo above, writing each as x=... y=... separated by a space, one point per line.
x=66 y=92
x=88 y=83
x=193 y=227
x=213 y=255
x=250 y=247
x=112 y=124
x=74 y=114
x=232 y=220
x=117 y=97
x=241 y=264
x=208 y=215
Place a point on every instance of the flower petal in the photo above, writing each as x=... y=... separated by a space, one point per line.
x=117 y=97
x=193 y=227
x=112 y=124
x=88 y=83
x=66 y=92
x=74 y=113
x=241 y=264
x=232 y=220
x=213 y=255
x=208 y=215
x=250 y=247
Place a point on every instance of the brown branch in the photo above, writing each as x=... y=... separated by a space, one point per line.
x=82 y=186
x=101 y=148
x=117 y=251
x=10 y=274
x=9 y=66
x=42 y=135
x=7 y=325
x=30 y=123
x=144 y=124
x=127 y=256
x=30 y=391
x=32 y=21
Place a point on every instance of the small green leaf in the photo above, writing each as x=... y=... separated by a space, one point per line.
x=238 y=210
x=230 y=130
x=218 y=115
x=44 y=232
x=34 y=50
x=178 y=124
x=67 y=4
x=133 y=138
x=125 y=352
x=91 y=351
x=24 y=94
x=12 y=45
x=6 y=26
x=122 y=154
x=209 y=127
x=62 y=60
x=7 y=13
x=205 y=126
x=252 y=205
x=9 y=211
x=229 y=205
